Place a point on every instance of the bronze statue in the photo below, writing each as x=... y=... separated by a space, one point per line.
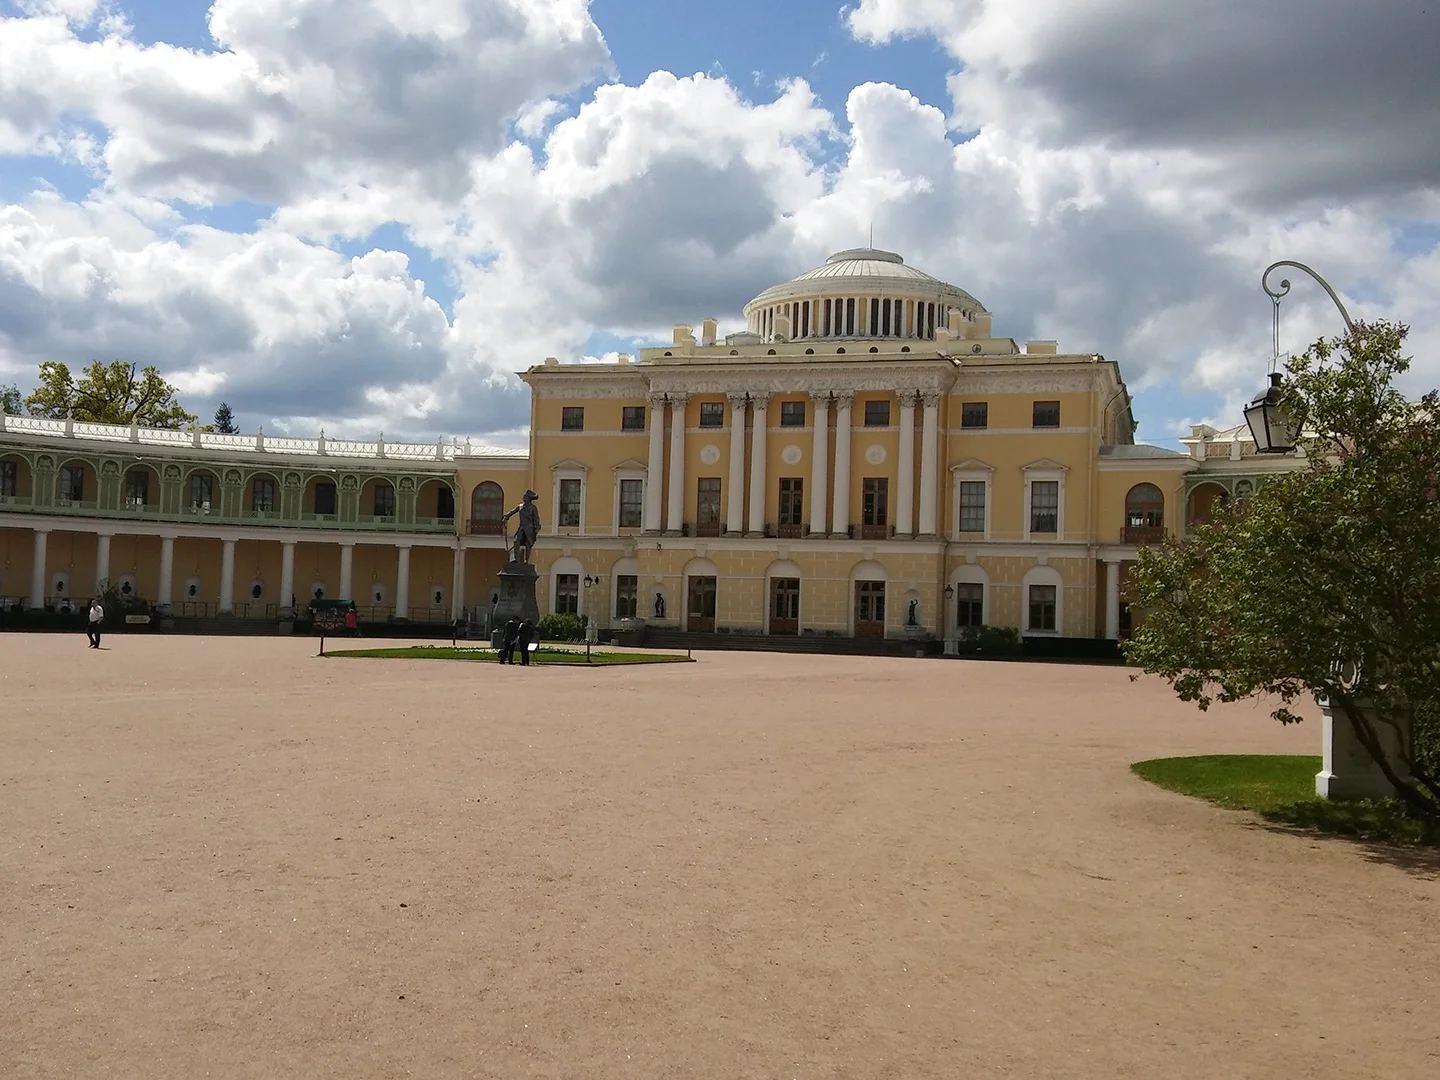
x=528 y=530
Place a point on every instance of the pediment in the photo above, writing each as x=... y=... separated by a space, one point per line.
x=570 y=465
x=630 y=465
x=1046 y=464
x=972 y=465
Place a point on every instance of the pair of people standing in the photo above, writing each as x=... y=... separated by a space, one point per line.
x=519 y=633
x=94 y=622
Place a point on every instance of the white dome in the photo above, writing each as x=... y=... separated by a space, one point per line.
x=871 y=281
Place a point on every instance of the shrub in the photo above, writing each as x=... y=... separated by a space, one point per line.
x=558 y=627
x=990 y=640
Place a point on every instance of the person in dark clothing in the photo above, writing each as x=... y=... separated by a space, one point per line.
x=508 y=637
x=527 y=635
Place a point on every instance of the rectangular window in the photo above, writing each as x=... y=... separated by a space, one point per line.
x=872 y=327
x=567 y=594
x=792 y=498
x=72 y=483
x=969 y=604
x=262 y=495
x=325 y=498
x=712 y=414
x=850 y=317
x=201 y=489
x=572 y=418
x=632 y=503
x=632 y=418
x=784 y=603
x=9 y=479
x=877 y=414
x=568 y=513
x=792 y=414
x=1042 y=607
x=875 y=501
x=137 y=487
x=972 y=506
x=975 y=414
x=627 y=596
x=1047 y=414
x=707 y=502
x=1044 y=506
x=384 y=500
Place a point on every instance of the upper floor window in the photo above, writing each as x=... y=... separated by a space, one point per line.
x=972 y=506
x=976 y=414
x=324 y=498
x=202 y=487
x=137 y=487
x=72 y=483
x=9 y=479
x=1044 y=506
x=875 y=499
x=707 y=502
x=632 y=418
x=568 y=513
x=567 y=592
x=792 y=491
x=487 y=502
x=792 y=414
x=712 y=414
x=1046 y=414
x=384 y=500
x=572 y=418
x=877 y=413
x=262 y=494
x=632 y=503
x=1145 y=507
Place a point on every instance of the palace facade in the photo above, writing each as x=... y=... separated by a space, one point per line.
x=867 y=458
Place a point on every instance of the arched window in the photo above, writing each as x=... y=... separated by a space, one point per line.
x=487 y=508
x=1145 y=507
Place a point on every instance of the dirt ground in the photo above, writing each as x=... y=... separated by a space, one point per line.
x=226 y=857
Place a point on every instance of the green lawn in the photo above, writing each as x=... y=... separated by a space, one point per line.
x=1282 y=789
x=546 y=654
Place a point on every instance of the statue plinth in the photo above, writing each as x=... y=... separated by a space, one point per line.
x=517 y=594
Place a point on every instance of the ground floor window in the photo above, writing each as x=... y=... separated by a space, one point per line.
x=1042 y=607
x=701 y=600
x=785 y=606
x=870 y=609
x=969 y=604
x=627 y=596
x=567 y=594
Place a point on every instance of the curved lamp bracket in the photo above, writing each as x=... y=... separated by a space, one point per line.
x=1285 y=288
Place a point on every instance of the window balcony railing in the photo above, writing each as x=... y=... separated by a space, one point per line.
x=875 y=532
x=1143 y=534
x=708 y=528
x=790 y=532
x=485 y=527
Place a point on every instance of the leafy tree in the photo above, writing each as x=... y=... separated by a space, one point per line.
x=10 y=399
x=1327 y=580
x=111 y=393
x=225 y=420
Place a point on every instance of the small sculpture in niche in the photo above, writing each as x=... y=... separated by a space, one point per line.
x=912 y=619
x=659 y=605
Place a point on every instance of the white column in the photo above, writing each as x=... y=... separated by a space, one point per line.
x=402 y=583
x=102 y=560
x=819 y=462
x=227 y=578
x=929 y=460
x=347 y=568
x=457 y=584
x=1112 y=600
x=655 y=473
x=840 y=518
x=287 y=576
x=167 y=571
x=735 y=492
x=758 y=436
x=675 y=511
x=905 y=467
x=38 y=577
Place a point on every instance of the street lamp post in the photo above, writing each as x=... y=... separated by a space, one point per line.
x=1270 y=425
x=590 y=583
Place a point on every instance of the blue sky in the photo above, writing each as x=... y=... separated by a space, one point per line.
x=1120 y=207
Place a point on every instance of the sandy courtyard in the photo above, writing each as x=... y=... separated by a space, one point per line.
x=228 y=858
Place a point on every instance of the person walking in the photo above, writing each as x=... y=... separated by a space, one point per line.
x=92 y=626
x=527 y=634
x=352 y=621
x=508 y=637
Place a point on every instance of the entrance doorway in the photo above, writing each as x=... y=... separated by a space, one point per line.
x=870 y=609
x=701 y=605
x=784 y=605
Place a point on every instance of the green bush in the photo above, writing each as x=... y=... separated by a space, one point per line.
x=990 y=640
x=557 y=627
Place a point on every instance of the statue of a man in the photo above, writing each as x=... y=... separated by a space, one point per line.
x=529 y=529
x=911 y=619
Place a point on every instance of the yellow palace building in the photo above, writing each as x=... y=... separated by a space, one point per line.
x=866 y=459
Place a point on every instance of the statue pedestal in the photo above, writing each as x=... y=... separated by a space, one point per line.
x=517 y=594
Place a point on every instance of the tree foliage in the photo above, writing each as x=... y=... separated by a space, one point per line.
x=10 y=401
x=225 y=420
x=1327 y=580
x=113 y=393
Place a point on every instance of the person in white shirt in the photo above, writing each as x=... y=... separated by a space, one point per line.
x=92 y=628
